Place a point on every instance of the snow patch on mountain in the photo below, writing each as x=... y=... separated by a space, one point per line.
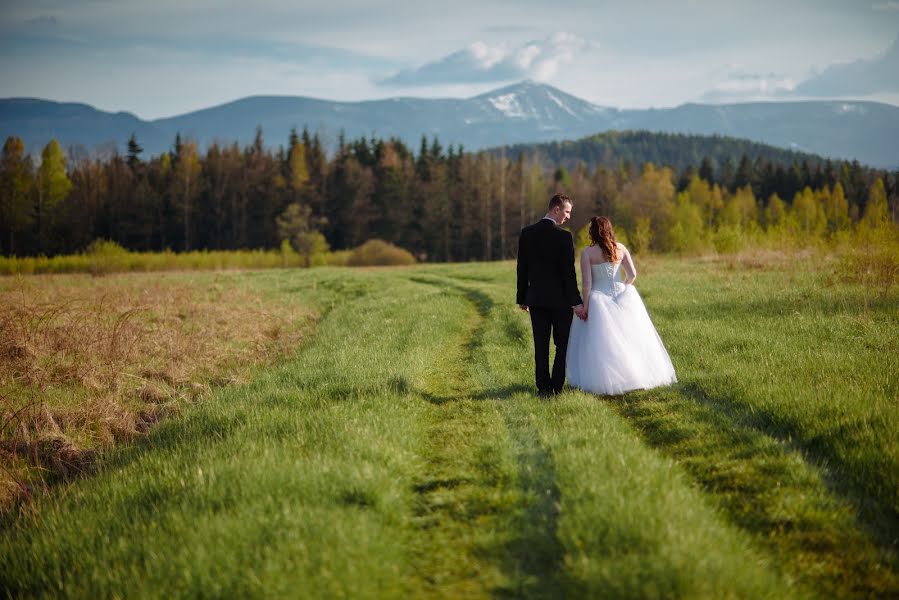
x=508 y=105
x=851 y=108
x=561 y=104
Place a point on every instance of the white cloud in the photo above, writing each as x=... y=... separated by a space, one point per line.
x=879 y=74
x=739 y=85
x=181 y=82
x=480 y=62
x=118 y=54
x=865 y=77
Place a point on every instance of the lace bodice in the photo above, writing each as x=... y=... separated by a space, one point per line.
x=606 y=278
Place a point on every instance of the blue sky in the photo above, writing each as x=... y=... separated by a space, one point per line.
x=167 y=57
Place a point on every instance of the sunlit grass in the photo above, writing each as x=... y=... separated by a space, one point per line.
x=401 y=453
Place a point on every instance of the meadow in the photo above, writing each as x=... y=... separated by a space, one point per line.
x=394 y=447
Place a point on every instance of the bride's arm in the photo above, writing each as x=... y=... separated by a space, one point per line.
x=629 y=267
x=586 y=278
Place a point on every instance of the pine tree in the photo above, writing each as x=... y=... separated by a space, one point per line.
x=726 y=175
x=706 y=171
x=176 y=148
x=134 y=151
x=421 y=163
x=744 y=175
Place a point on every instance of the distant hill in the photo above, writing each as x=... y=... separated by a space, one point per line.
x=676 y=150
x=37 y=121
x=863 y=131
x=526 y=112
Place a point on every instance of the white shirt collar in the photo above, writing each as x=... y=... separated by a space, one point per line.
x=550 y=219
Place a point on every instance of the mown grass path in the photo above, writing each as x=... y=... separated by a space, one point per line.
x=488 y=499
x=401 y=453
x=463 y=486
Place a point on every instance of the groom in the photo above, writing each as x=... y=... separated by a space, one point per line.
x=547 y=288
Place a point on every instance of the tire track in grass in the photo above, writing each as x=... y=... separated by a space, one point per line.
x=782 y=497
x=771 y=490
x=488 y=504
x=535 y=551
x=532 y=554
x=552 y=545
x=767 y=488
x=529 y=550
x=463 y=489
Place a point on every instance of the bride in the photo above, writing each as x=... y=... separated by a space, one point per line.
x=614 y=349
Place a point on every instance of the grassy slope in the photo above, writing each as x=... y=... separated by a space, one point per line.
x=401 y=451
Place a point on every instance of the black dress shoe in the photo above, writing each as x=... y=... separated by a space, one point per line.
x=545 y=394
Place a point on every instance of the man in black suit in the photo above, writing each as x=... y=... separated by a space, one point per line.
x=547 y=288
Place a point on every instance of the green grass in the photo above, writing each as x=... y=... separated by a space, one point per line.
x=402 y=453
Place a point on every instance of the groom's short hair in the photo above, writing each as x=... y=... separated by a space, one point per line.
x=559 y=200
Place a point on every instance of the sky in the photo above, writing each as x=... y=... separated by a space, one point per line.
x=167 y=57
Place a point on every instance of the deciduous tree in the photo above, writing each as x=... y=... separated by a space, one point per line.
x=15 y=188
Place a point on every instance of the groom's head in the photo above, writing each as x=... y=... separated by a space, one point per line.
x=559 y=208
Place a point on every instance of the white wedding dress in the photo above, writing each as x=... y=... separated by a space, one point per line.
x=617 y=348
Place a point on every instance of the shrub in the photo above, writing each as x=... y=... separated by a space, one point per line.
x=338 y=258
x=105 y=257
x=379 y=252
x=728 y=239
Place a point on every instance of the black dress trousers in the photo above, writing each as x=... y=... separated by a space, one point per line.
x=546 y=322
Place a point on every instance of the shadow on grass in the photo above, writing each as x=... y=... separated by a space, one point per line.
x=534 y=552
x=757 y=470
x=874 y=511
x=501 y=393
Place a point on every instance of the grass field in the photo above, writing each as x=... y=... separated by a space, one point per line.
x=87 y=362
x=401 y=452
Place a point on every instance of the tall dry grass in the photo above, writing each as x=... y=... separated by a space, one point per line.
x=88 y=362
x=872 y=262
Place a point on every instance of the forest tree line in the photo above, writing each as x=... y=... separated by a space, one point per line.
x=680 y=151
x=442 y=204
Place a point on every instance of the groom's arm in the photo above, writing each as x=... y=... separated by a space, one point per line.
x=571 y=292
x=521 y=296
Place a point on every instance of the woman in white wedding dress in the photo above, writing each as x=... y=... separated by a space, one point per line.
x=616 y=348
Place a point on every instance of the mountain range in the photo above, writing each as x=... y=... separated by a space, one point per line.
x=526 y=112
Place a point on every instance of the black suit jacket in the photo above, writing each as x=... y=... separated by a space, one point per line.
x=546 y=275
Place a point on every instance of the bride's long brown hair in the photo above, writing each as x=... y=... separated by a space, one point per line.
x=602 y=235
